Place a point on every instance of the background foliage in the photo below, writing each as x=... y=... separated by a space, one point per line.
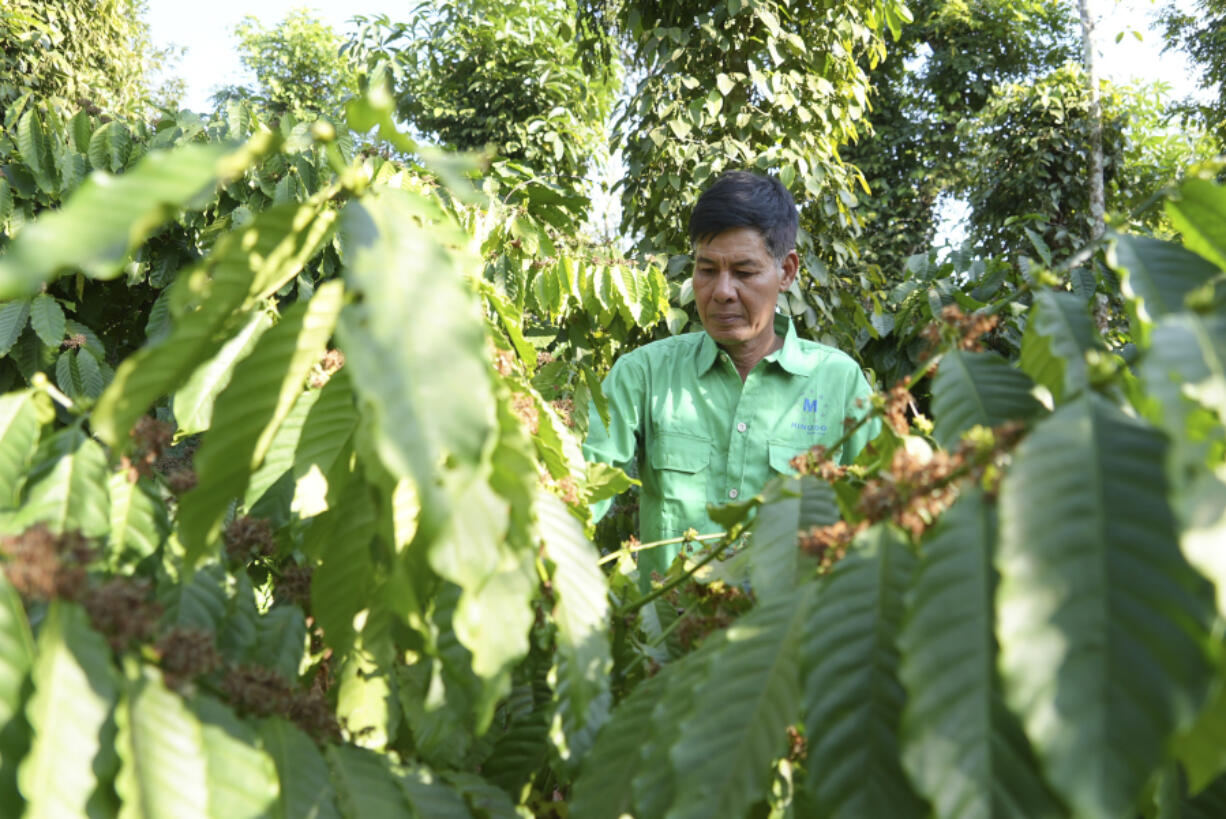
x=294 y=519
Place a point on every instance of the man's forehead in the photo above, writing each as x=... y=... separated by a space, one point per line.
x=735 y=244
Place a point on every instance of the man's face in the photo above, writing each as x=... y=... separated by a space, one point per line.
x=736 y=284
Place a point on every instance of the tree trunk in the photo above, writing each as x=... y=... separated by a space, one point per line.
x=1097 y=204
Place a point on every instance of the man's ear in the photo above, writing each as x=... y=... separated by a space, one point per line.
x=791 y=266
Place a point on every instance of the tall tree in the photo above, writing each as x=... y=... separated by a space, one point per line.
x=1097 y=207
x=1198 y=28
x=93 y=54
x=298 y=66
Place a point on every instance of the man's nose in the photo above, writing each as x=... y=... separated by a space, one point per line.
x=725 y=289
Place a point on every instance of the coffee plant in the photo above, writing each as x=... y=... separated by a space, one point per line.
x=295 y=518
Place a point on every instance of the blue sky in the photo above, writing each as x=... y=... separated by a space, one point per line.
x=206 y=30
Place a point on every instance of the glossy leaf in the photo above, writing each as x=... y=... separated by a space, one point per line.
x=72 y=491
x=744 y=706
x=414 y=341
x=1158 y=275
x=964 y=750
x=280 y=640
x=794 y=506
x=853 y=700
x=1198 y=212
x=242 y=777
x=581 y=609
x=193 y=402
x=16 y=659
x=306 y=789
x=75 y=688
x=107 y=217
x=978 y=389
x=138 y=522
x=47 y=319
x=1058 y=334
x=14 y=316
x=1101 y=621
x=247 y=414
x=19 y=429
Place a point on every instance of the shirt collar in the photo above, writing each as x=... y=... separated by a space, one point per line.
x=788 y=356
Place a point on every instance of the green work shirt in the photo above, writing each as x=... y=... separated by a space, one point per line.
x=698 y=435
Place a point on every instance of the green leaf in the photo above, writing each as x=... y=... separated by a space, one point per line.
x=244 y=265
x=19 y=428
x=340 y=586
x=964 y=750
x=106 y=217
x=1198 y=212
x=75 y=687
x=1158 y=275
x=242 y=777
x=306 y=789
x=35 y=147
x=365 y=783
x=198 y=600
x=6 y=202
x=48 y=320
x=415 y=342
x=602 y=790
x=193 y=402
x=750 y=696
x=110 y=147
x=246 y=415
x=853 y=701
x=138 y=521
x=280 y=641
x=795 y=505
x=13 y=318
x=605 y=481
x=1101 y=621
x=16 y=659
x=163 y=767
x=1202 y=748
x=581 y=609
x=1058 y=334
x=72 y=493
x=978 y=389
x=430 y=797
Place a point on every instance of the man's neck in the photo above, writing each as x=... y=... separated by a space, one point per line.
x=746 y=356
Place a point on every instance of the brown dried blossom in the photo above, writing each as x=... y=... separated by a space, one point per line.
x=74 y=342
x=817 y=461
x=294 y=584
x=897 y=401
x=798 y=746
x=524 y=407
x=543 y=358
x=186 y=653
x=968 y=329
x=828 y=544
x=325 y=368
x=262 y=692
x=248 y=536
x=42 y=565
x=150 y=438
x=504 y=360
x=121 y=610
x=565 y=408
x=181 y=479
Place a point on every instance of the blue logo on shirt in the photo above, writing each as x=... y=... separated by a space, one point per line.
x=810 y=405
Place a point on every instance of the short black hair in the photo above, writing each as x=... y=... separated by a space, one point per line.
x=744 y=199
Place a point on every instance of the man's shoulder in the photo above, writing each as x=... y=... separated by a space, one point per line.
x=664 y=352
x=813 y=356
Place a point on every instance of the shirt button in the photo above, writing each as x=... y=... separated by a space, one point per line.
x=740 y=427
x=732 y=493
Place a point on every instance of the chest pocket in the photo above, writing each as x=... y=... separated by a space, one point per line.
x=680 y=463
x=781 y=454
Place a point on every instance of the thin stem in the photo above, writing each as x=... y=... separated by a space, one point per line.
x=655 y=641
x=667 y=587
x=654 y=544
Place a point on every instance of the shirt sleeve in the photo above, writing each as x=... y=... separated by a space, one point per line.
x=859 y=403
x=625 y=388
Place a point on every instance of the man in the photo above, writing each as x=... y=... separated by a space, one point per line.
x=709 y=417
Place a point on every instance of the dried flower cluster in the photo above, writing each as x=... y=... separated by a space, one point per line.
x=504 y=360
x=524 y=407
x=829 y=543
x=798 y=746
x=325 y=368
x=897 y=401
x=817 y=461
x=186 y=653
x=914 y=491
x=968 y=329
x=150 y=438
x=248 y=537
x=565 y=408
x=294 y=585
x=74 y=342
x=42 y=565
x=121 y=610
x=176 y=467
x=263 y=692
